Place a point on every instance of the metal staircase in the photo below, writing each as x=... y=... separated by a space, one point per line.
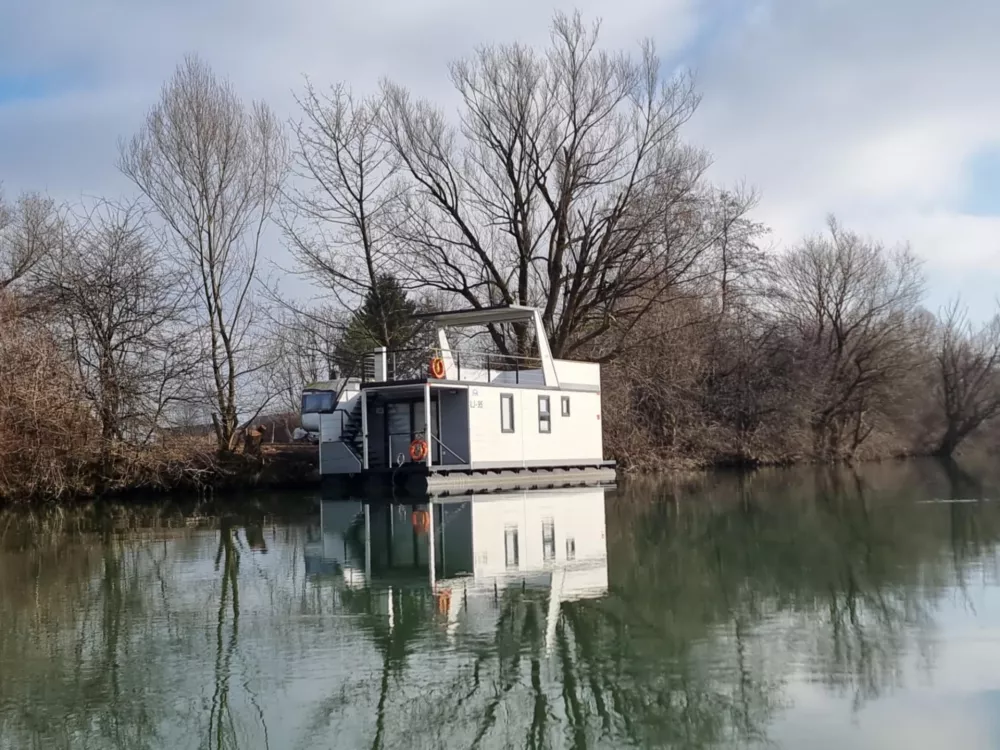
x=350 y=434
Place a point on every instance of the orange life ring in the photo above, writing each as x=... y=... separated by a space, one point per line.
x=421 y=521
x=418 y=449
x=437 y=368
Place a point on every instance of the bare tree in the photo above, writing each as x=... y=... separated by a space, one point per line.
x=212 y=168
x=338 y=219
x=120 y=313
x=564 y=185
x=305 y=351
x=968 y=376
x=846 y=305
x=29 y=231
x=45 y=436
x=337 y=214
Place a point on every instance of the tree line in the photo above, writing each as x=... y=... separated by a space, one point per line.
x=563 y=181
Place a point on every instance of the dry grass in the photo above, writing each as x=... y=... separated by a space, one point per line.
x=46 y=434
x=50 y=444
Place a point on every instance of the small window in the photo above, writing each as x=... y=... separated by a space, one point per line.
x=544 y=415
x=506 y=412
x=570 y=548
x=565 y=406
x=318 y=402
x=548 y=540
x=511 y=552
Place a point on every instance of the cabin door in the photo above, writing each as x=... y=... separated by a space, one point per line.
x=405 y=421
x=419 y=427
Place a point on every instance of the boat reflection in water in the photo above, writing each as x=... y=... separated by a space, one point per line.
x=466 y=551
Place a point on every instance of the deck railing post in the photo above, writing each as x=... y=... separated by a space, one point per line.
x=431 y=547
x=381 y=361
x=368 y=545
x=428 y=427
x=364 y=430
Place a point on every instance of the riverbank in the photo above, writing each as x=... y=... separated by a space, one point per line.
x=194 y=469
x=189 y=466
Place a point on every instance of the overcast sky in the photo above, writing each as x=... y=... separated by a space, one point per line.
x=882 y=111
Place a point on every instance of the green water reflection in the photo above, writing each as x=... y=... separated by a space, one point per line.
x=813 y=608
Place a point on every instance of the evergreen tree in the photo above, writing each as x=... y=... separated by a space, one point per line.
x=385 y=318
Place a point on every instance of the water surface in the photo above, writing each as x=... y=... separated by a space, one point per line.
x=792 y=609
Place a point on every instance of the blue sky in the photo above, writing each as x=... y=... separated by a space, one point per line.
x=14 y=88
x=881 y=112
x=982 y=195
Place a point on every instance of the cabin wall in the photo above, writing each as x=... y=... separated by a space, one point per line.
x=454 y=411
x=573 y=439
x=577 y=374
x=517 y=377
x=509 y=532
x=327 y=425
x=336 y=458
x=483 y=375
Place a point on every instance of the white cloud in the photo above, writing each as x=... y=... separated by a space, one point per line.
x=113 y=55
x=122 y=52
x=906 y=721
x=873 y=110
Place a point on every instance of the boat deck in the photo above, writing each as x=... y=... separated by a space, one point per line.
x=419 y=481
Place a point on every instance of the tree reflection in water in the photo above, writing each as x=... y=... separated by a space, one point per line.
x=222 y=728
x=721 y=592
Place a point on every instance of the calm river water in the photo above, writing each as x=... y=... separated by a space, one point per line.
x=792 y=609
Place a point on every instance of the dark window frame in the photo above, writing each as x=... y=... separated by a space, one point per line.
x=328 y=403
x=548 y=539
x=545 y=417
x=507 y=398
x=511 y=552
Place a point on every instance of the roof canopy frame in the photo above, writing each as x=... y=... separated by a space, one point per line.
x=487 y=315
x=480 y=316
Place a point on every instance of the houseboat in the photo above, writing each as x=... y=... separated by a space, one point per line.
x=446 y=420
x=466 y=551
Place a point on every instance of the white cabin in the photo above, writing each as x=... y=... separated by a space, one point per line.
x=327 y=397
x=483 y=413
x=470 y=549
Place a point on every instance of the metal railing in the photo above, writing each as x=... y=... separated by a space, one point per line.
x=394 y=453
x=443 y=447
x=367 y=367
x=399 y=446
x=484 y=367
